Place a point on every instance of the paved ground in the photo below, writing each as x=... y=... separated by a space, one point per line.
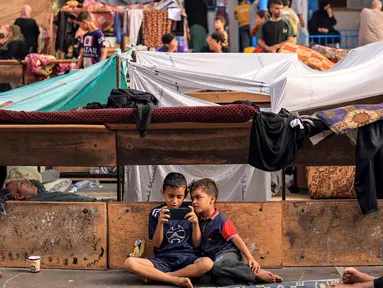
x=50 y=278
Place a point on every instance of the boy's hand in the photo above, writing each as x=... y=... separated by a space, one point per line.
x=254 y=265
x=191 y=216
x=164 y=216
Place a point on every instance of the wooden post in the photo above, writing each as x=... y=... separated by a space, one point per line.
x=118 y=65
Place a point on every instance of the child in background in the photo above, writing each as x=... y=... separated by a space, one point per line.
x=220 y=28
x=175 y=242
x=242 y=15
x=93 y=47
x=222 y=243
x=260 y=17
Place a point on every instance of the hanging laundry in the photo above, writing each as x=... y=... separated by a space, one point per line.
x=135 y=21
x=274 y=143
x=369 y=166
x=155 y=25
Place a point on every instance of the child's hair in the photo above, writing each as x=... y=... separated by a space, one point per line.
x=262 y=14
x=175 y=180
x=218 y=37
x=84 y=16
x=207 y=186
x=220 y=18
x=276 y=2
x=167 y=38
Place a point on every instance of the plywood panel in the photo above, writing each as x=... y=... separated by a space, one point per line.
x=258 y=224
x=11 y=73
x=65 y=235
x=57 y=145
x=331 y=233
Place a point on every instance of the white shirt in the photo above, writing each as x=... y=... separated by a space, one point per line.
x=301 y=7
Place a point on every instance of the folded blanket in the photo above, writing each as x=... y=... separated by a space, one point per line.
x=344 y=119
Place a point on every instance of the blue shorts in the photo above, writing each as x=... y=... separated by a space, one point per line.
x=173 y=263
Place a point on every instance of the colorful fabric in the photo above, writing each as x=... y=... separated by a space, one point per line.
x=303 y=284
x=155 y=24
x=333 y=54
x=331 y=182
x=309 y=57
x=342 y=120
x=40 y=64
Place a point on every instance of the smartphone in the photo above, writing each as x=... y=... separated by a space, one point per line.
x=178 y=213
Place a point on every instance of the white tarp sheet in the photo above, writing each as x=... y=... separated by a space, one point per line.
x=359 y=75
x=169 y=76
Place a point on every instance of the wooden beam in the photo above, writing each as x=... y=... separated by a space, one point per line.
x=184 y=146
x=48 y=145
x=334 y=151
x=12 y=73
x=65 y=235
x=229 y=97
x=259 y=225
x=331 y=233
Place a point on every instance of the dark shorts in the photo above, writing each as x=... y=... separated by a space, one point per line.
x=378 y=283
x=173 y=263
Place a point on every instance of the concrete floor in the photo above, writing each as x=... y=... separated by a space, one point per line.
x=51 y=278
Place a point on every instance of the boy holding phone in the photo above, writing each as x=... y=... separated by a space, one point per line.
x=175 y=241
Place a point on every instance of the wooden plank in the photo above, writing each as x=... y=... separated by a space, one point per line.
x=9 y=62
x=184 y=146
x=331 y=233
x=53 y=127
x=229 y=97
x=259 y=225
x=65 y=235
x=334 y=151
x=58 y=147
x=182 y=125
x=11 y=73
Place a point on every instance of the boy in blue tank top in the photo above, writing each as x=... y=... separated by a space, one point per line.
x=175 y=242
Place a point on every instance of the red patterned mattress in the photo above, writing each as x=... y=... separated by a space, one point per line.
x=203 y=114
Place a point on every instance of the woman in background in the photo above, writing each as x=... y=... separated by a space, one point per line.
x=29 y=28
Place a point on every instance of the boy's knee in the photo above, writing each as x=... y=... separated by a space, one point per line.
x=130 y=264
x=206 y=264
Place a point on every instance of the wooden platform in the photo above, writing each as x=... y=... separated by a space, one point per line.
x=331 y=233
x=65 y=235
x=263 y=101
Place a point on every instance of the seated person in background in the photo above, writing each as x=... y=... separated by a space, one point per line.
x=322 y=23
x=170 y=44
x=353 y=278
x=260 y=17
x=275 y=32
x=220 y=28
x=215 y=44
x=222 y=243
x=15 y=47
x=175 y=242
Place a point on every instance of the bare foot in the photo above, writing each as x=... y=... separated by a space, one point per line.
x=265 y=276
x=351 y=275
x=183 y=282
x=278 y=278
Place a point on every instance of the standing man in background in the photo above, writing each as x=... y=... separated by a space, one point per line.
x=242 y=15
x=196 y=11
x=301 y=8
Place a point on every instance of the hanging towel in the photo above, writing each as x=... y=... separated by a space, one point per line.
x=135 y=22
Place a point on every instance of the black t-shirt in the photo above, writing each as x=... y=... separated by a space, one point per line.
x=206 y=49
x=275 y=32
x=197 y=12
x=177 y=235
x=30 y=31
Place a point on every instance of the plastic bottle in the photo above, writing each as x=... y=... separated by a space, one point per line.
x=94 y=183
x=80 y=185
